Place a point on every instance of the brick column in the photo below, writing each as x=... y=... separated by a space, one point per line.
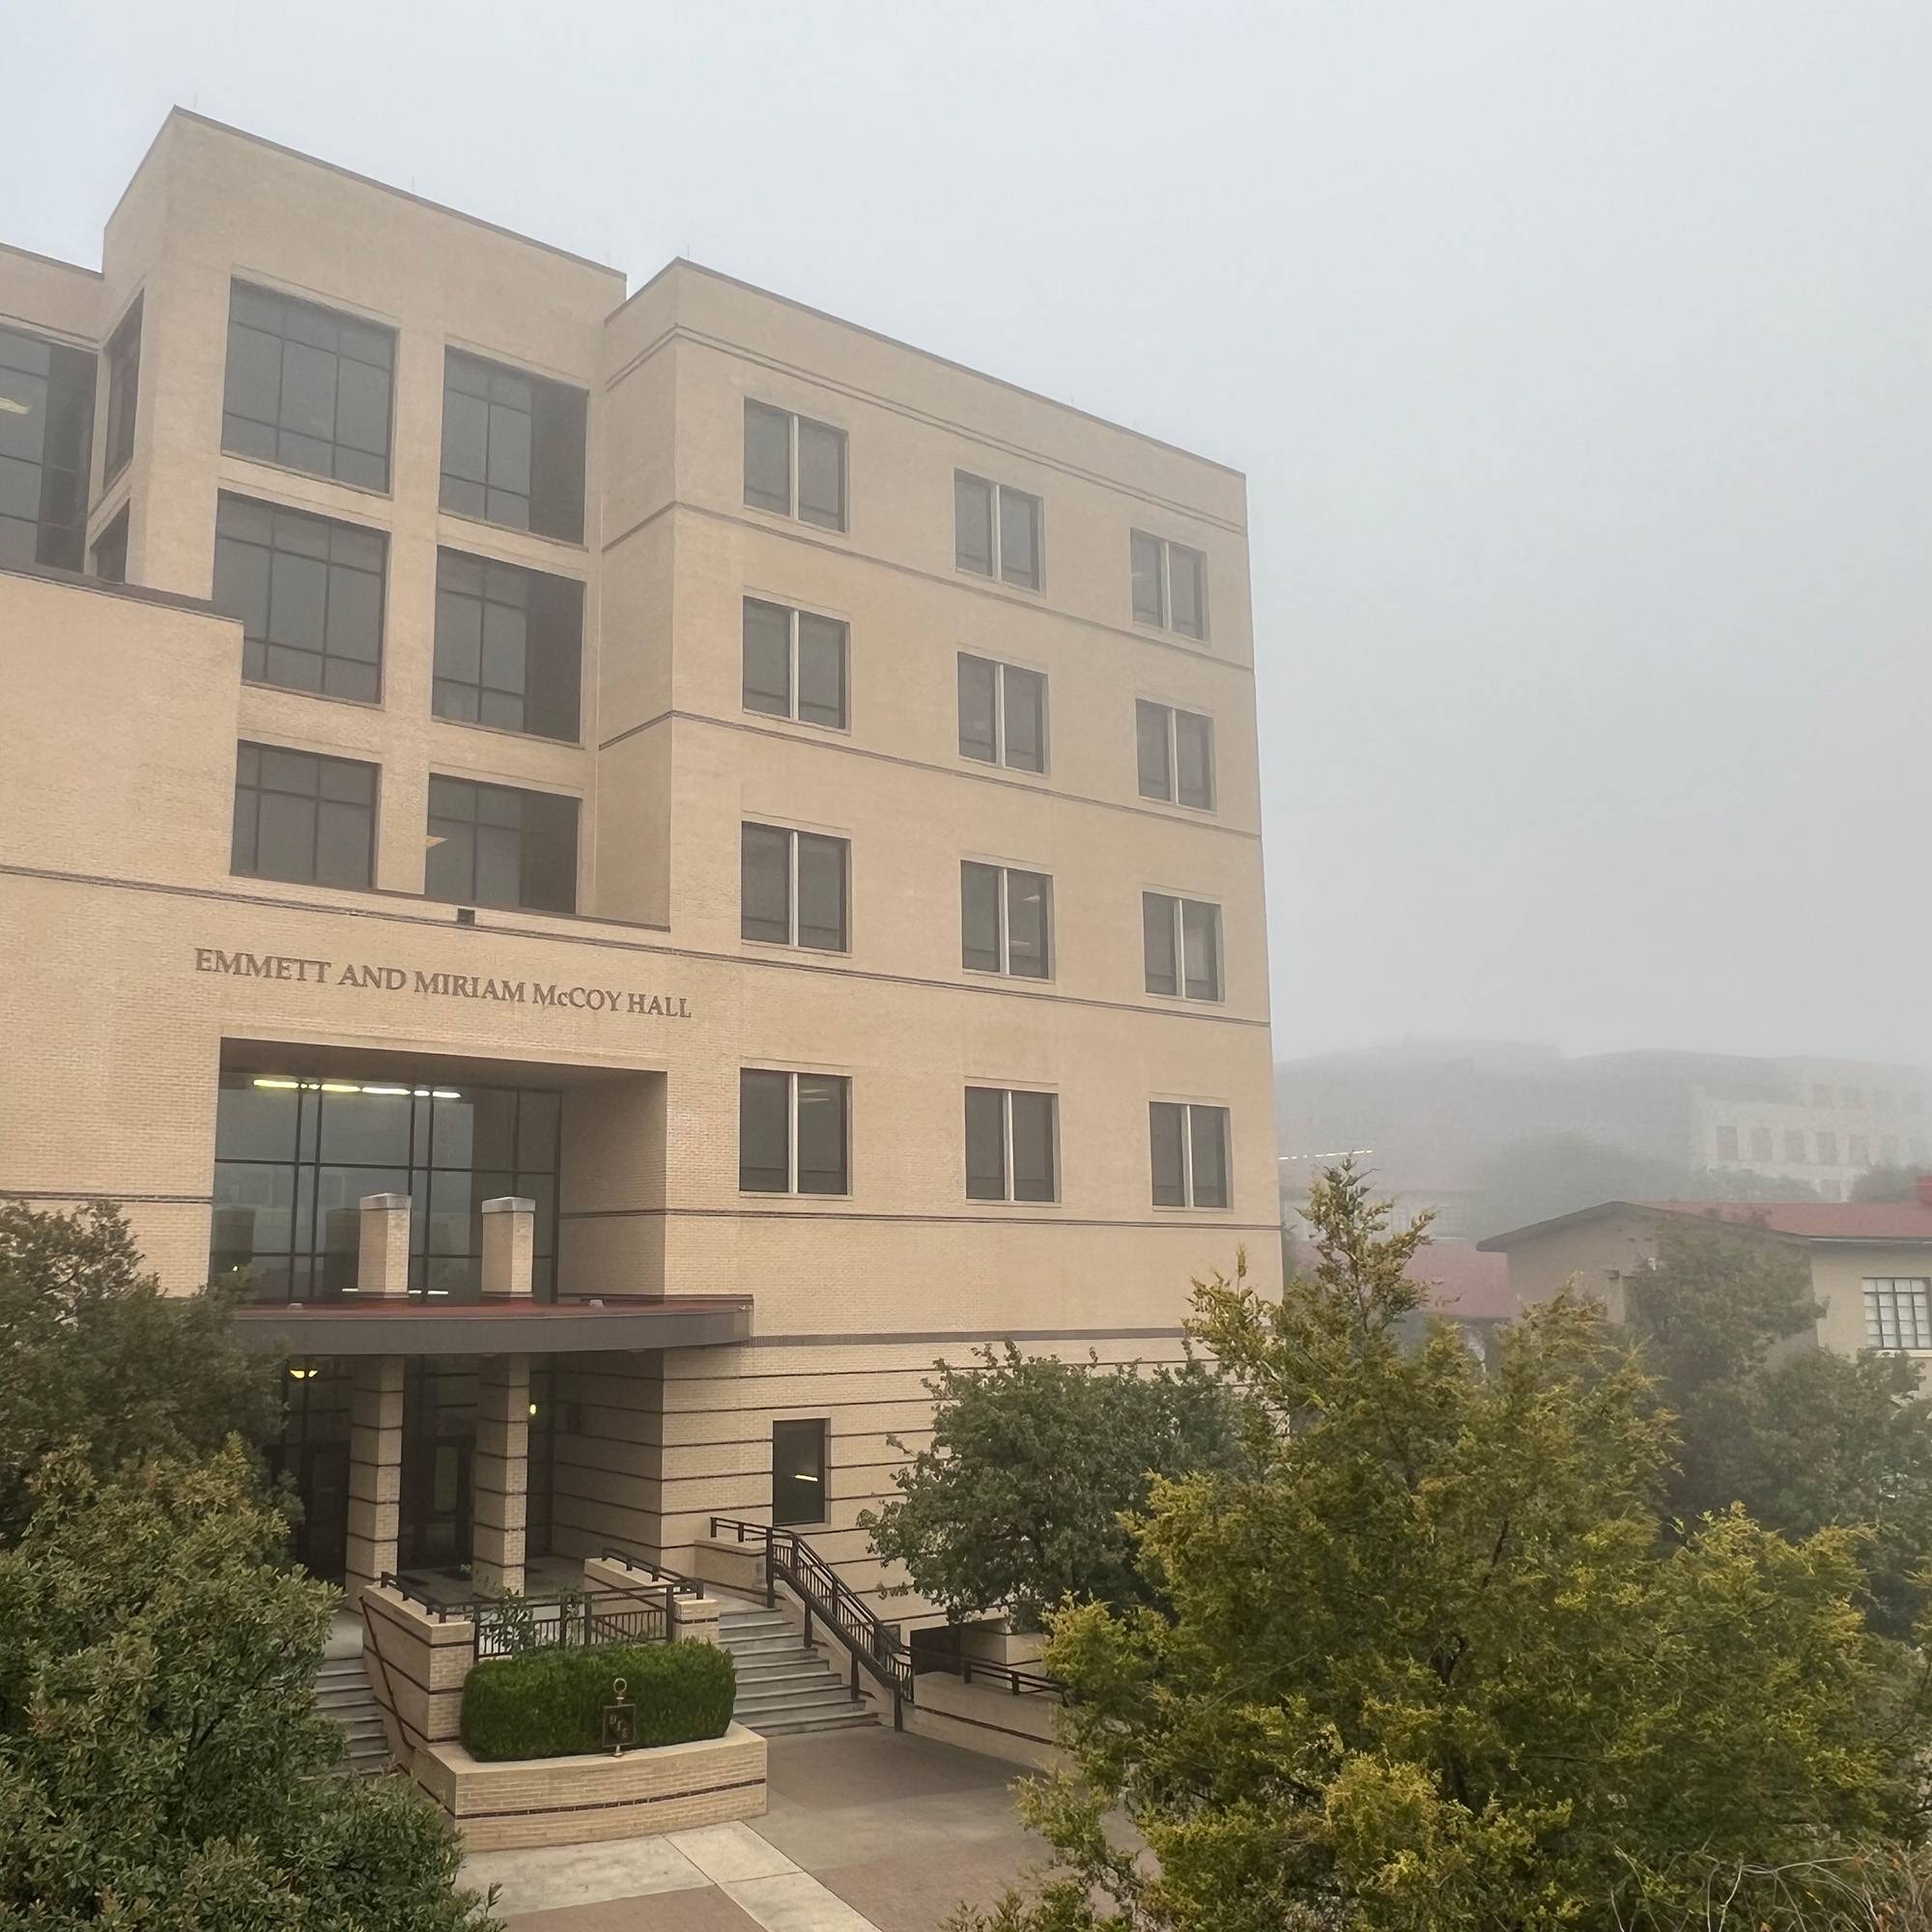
x=499 y=1483
x=509 y=1246
x=382 y=1253
x=375 y=1472
x=376 y=1403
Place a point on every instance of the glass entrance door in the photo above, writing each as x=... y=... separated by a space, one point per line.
x=436 y=1512
x=319 y=1541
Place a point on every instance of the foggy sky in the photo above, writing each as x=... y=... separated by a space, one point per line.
x=1579 y=358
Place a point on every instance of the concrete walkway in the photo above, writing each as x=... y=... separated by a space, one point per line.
x=869 y=1831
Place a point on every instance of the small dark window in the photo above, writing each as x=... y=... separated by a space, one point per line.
x=110 y=550
x=124 y=390
x=995 y=530
x=1181 y=940
x=509 y=647
x=512 y=447
x=794 y=466
x=1189 y=1150
x=309 y=595
x=1002 y=714
x=308 y=387
x=492 y=845
x=1010 y=1145
x=1170 y=585
x=1175 y=752
x=792 y=887
x=1006 y=919
x=798 y=1473
x=46 y=445
x=792 y=1132
x=304 y=817
x=794 y=664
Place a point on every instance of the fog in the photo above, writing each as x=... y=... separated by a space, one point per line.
x=1579 y=360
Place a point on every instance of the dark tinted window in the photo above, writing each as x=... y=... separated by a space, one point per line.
x=979 y=709
x=308 y=387
x=821 y=474
x=46 y=444
x=1181 y=940
x=491 y=845
x=1208 y=1149
x=509 y=646
x=794 y=664
x=512 y=447
x=1189 y=1149
x=123 y=385
x=995 y=530
x=1194 y=760
x=309 y=595
x=1034 y=1167
x=1157 y=942
x=1167 y=1125
x=979 y=917
x=820 y=1133
x=1006 y=920
x=1024 y=718
x=985 y=1144
x=303 y=817
x=1029 y=924
x=767 y=458
x=764 y=1132
x=1019 y=538
x=798 y=1473
x=1201 y=949
x=1149 y=602
x=1010 y=1146
x=794 y=466
x=972 y=522
x=792 y=887
x=1151 y=732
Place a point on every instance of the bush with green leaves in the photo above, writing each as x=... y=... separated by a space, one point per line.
x=163 y=1767
x=549 y=1703
x=1023 y=1494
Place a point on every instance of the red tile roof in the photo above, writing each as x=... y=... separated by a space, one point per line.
x=1816 y=1220
x=1465 y=1281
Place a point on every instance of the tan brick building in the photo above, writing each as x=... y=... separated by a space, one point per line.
x=779 y=804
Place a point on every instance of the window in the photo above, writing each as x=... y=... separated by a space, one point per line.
x=1170 y=585
x=309 y=595
x=307 y=389
x=1760 y=1143
x=303 y=817
x=509 y=647
x=1898 y=1313
x=296 y=1154
x=1861 y=1151
x=1010 y=1140
x=110 y=550
x=1182 y=943
x=1005 y=921
x=512 y=447
x=794 y=665
x=1727 y=1143
x=1190 y=1147
x=1002 y=714
x=1175 y=751
x=1794 y=1144
x=794 y=466
x=46 y=445
x=792 y=1132
x=123 y=385
x=792 y=887
x=995 y=530
x=492 y=846
x=799 y=1489
x=1828 y=1150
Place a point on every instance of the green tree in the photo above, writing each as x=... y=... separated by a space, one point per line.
x=162 y=1764
x=1019 y=1498
x=1888 y=1183
x=1802 y=1438
x=93 y=1356
x=1428 y=1666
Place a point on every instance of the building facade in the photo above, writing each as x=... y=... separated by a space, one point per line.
x=772 y=812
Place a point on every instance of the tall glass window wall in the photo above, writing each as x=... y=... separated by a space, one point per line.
x=294 y=1156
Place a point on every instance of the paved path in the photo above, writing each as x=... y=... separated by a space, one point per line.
x=869 y=1831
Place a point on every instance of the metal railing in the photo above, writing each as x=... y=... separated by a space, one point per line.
x=873 y=1646
x=563 y=1620
x=681 y=1584
x=1021 y=1683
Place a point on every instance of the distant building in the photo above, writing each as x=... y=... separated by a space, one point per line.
x=1870 y=1261
x=1433 y=1119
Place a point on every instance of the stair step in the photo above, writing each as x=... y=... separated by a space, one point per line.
x=836 y=1700
x=806 y=1670
x=786 y=1727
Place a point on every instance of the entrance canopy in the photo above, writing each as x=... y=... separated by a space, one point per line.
x=369 y=1325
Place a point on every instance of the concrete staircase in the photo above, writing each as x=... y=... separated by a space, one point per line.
x=342 y=1692
x=782 y=1685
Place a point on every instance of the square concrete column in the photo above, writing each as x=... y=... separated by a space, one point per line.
x=509 y=1245
x=383 y=1252
x=500 y=1478
x=375 y=1472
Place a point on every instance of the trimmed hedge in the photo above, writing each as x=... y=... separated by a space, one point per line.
x=550 y=1703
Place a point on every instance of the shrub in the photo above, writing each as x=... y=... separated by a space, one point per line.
x=550 y=1703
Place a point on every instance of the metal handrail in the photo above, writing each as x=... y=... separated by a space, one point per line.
x=389 y=1581
x=790 y=1560
x=1020 y=1682
x=683 y=1586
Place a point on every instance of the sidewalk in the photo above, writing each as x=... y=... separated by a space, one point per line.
x=869 y=1831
